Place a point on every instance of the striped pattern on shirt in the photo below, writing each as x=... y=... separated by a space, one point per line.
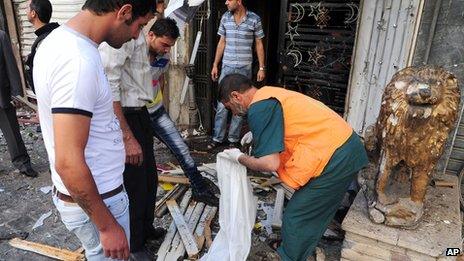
x=239 y=38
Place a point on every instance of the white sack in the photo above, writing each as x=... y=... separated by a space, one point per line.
x=237 y=213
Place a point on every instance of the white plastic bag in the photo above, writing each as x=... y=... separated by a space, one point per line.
x=237 y=213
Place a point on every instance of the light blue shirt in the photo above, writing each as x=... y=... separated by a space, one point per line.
x=239 y=38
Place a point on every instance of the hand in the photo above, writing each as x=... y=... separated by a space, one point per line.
x=134 y=154
x=234 y=154
x=247 y=138
x=261 y=75
x=114 y=243
x=214 y=73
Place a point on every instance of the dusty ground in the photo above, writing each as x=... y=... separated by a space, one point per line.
x=22 y=203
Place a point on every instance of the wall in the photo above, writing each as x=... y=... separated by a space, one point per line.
x=446 y=50
x=63 y=10
x=180 y=55
x=385 y=37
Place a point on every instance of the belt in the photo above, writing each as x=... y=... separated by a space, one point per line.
x=69 y=199
x=133 y=109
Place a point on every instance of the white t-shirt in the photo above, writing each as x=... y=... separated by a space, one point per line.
x=69 y=78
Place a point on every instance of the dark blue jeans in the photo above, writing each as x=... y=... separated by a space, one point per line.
x=165 y=131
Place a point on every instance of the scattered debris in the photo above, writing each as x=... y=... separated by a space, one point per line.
x=443 y=183
x=271 y=181
x=46 y=189
x=278 y=209
x=40 y=221
x=48 y=251
x=10 y=235
x=176 y=192
x=166 y=186
x=173 y=179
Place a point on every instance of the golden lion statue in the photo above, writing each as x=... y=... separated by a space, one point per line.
x=419 y=109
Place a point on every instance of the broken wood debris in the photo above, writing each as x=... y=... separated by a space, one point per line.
x=184 y=231
x=48 y=251
x=443 y=183
x=271 y=181
x=166 y=245
x=186 y=234
x=278 y=209
x=288 y=191
x=176 y=192
x=177 y=179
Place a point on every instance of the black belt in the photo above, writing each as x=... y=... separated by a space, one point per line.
x=133 y=109
x=69 y=199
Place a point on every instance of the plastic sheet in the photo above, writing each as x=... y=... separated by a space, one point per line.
x=237 y=213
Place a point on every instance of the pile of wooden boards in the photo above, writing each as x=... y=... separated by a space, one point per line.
x=190 y=229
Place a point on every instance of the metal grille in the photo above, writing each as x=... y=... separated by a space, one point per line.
x=202 y=66
x=316 y=50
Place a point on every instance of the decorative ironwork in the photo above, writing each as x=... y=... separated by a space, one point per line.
x=317 y=48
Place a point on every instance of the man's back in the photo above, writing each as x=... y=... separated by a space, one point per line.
x=71 y=80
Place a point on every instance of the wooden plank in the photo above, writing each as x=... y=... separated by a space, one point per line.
x=208 y=167
x=162 y=251
x=163 y=200
x=48 y=251
x=177 y=179
x=192 y=223
x=176 y=241
x=161 y=210
x=287 y=190
x=278 y=209
x=209 y=213
x=207 y=228
x=271 y=181
x=185 y=233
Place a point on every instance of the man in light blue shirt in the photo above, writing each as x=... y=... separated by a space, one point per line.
x=238 y=29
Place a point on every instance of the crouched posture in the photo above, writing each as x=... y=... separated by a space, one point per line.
x=312 y=149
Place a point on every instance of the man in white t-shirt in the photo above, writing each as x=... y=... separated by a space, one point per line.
x=81 y=133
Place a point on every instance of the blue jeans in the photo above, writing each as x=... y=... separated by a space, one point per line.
x=78 y=222
x=165 y=131
x=220 y=120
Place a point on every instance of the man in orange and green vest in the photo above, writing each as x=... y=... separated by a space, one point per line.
x=312 y=149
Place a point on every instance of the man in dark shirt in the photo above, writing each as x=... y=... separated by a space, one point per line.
x=38 y=14
x=10 y=85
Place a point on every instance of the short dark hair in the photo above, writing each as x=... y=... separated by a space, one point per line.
x=140 y=8
x=233 y=82
x=43 y=9
x=165 y=27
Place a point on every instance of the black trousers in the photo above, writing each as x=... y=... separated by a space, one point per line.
x=10 y=129
x=141 y=182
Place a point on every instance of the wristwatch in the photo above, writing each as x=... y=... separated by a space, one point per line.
x=262 y=68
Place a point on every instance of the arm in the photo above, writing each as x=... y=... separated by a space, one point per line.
x=71 y=133
x=219 y=52
x=134 y=153
x=11 y=66
x=268 y=163
x=260 y=52
x=113 y=61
